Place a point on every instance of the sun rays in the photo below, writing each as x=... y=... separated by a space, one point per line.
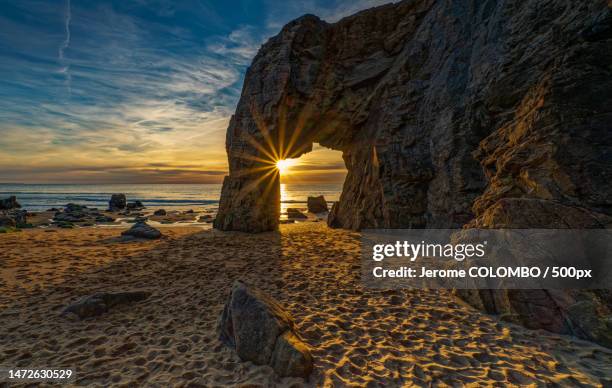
x=284 y=166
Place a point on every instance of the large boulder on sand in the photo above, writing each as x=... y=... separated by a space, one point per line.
x=261 y=331
x=142 y=230
x=317 y=204
x=9 y=203
x=117 y=202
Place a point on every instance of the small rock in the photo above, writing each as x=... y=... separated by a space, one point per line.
x=13 y=218
x=317 y=204
x=9 y=203
x=159 y=212
x=261 y=331
x=101 y=303
x=206 y=217
x=117 y=202
x=73 y=208
x=190 y=211
x=142 y=230
x=6 y=221
x=136 y=205
x=295 y=213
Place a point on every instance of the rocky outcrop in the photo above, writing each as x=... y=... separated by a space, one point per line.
x=317 y=204
x=258 y=328
x=9 y=203
x=117 y=202
x=13 y=218
x=142 y=230
x=295 y=213
x=136 y=205
x=98 y=304
x=79 y=214
x=448 y=114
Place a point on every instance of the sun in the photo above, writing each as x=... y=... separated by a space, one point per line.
x=283 y=165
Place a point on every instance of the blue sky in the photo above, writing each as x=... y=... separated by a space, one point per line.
x=131 y=91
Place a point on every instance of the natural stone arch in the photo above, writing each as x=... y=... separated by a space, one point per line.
x=446 y=113
x=488 y=114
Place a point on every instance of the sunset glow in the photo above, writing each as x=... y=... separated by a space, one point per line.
x=283 y=166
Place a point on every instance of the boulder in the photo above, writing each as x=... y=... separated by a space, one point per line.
x=262 y=332
x=136 y=205
x=9 y=203
x=98 y=304
x=117 y=202
x=159 y=212
x=295 y=213
x=317 y=204
x=13 y=218
x=142 y=230
x=6 y=221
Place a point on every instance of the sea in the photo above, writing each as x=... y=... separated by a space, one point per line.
x=199 y=197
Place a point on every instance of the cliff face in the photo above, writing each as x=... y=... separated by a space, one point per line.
x=472 y=113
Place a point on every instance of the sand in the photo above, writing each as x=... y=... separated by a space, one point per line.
x=358 y=336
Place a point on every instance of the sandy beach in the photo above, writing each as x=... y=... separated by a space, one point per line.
x=358 y=337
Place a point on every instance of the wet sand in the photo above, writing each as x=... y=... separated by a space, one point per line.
x=358 y=336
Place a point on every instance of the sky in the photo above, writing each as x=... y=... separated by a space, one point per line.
x=136 y=91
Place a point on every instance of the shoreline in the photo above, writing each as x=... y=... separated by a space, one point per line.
x=357 y=335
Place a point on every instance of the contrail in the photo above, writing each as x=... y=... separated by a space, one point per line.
x=64 y=46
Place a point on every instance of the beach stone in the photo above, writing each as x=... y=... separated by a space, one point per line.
x=142 y=230
x=98 y=304
x=9 y=203
x=13 y=218
x=117 y=202
x=6 y=221
x=295 y=213
x=261 y=331
x=159 y=212
x=136 y=205
x=317 y=204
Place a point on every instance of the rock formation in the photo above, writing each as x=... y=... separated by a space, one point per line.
x=317 y=204
x=449 y=114
x=117 y=202
x=9 y=203
x=142 y=230
x=258 y=328
x=98 y=304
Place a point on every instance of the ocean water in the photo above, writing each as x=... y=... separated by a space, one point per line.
x=198 y=197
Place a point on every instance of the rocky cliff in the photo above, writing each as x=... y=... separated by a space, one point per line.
x=448 y=113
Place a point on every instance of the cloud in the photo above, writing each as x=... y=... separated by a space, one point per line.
x=139 y=83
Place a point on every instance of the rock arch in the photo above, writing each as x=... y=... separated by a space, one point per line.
x=441 y=110
x=448 y=113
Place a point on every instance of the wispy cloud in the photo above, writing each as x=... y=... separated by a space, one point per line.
x=148 y=81
x=66 y=67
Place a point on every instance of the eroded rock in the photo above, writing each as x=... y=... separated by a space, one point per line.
x=261 y=331
x=9 y=203
x=482 y=114
x=317 y=204
x=295 y=214
x=142 y=230
x=98 y=304
x=117 y=202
